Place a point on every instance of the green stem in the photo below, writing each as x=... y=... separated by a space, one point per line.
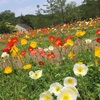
x=19 y=56
x=84 y=89
x=15 y=90
x=1 y=97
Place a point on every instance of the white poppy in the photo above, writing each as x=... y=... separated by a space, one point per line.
x=67 y=94
x=70 y=81
x=46 y=49
x=55 y=88
x=35 y=75
x=74 y=89
x=88 y=41
x=46 y=96
x=51 y=48
x=80 y=69
x=4 y=54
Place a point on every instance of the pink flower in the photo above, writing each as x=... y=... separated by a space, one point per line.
x=34 y=51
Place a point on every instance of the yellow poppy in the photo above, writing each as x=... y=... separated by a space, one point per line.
x=28 y=66
x=70 y=42
x=71 y=55
x=33 y=44
x=80 y=33
x=23 y=41
x=80 y=63
x=97 y=51
x=27 y=37
x=14 y=54
x=8 y=70
x=14 y=49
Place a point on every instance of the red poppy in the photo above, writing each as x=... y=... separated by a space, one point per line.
x=74 y=57
x=44 y=30
x=7 y=49
x=51 y=38
x=22 y=53
x=68 y=37
x=51 y=55
x=41 y=63
x=58 y=42
x=98 y=32
x=30 y=49
x=10 y=44
x=33 y=33
x=14 y=39
x=65 y=39
x=98 y=40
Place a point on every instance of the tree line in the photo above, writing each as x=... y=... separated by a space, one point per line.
x=55 y=12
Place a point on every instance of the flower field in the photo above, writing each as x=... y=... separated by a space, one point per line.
x=57 y=63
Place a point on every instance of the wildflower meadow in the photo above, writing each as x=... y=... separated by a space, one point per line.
x=61 y=62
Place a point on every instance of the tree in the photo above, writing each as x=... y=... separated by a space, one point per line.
x=60 y=5
x=57 y=9
x=50 y=7
x=39 y=14
x=6 y=27
x=72 y=12
x=8 y=16
x=93 y=4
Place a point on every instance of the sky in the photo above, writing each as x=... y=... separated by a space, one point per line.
x=25 y=7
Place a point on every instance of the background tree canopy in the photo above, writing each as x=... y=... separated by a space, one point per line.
x=55 y=12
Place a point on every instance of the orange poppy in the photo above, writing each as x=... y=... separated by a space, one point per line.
x=58 y=42
x=98 y=32
x=51 y=38
x=30 y=49
x=22 y=53
x=51 y=55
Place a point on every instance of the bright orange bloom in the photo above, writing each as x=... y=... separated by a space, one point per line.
x=98 y=32
x=51 y=38
x=22 y=53
x=45 y=30
x=58 y=42
x=30 y=49
x=50 y=55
